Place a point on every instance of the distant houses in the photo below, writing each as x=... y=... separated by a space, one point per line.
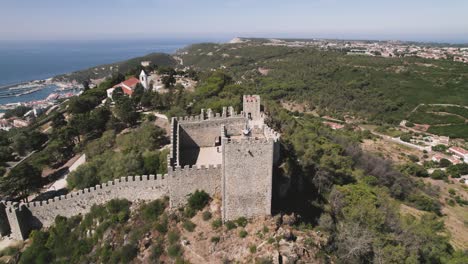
x=453 y=160
x=460 y=152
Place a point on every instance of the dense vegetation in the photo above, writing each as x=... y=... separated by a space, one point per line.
x=137 y=155
x=382 y=89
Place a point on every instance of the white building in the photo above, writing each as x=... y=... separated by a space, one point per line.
x=460 y=152
x=144 y=79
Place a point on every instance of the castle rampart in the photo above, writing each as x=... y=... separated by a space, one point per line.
x=42 y=213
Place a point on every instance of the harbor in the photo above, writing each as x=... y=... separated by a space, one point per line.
x=36 y=93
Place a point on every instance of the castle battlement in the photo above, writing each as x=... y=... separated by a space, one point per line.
x=251 y=98
x=209 y=115
x=195 y=167
x=110 y=185
x=248 y=141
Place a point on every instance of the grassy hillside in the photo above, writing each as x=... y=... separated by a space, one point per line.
x=382 y=89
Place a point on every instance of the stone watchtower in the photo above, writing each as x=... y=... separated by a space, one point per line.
x=251 y=107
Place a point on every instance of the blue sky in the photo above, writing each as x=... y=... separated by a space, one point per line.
x=426 y=20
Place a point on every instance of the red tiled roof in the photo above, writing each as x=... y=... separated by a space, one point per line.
x=125 y=85
x=459 y=150
x=131 y=82
x=127 y=91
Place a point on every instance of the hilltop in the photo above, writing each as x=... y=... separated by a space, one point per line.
x=106 y=70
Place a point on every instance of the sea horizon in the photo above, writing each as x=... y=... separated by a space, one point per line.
x=24 y=61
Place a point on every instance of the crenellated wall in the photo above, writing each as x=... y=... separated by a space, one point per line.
x=24 y=216
x=186 y=180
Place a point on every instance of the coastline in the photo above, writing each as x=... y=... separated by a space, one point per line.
x=36 y=93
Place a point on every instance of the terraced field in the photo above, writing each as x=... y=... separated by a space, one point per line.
x=445 y=120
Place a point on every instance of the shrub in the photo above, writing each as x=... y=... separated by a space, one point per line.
x=189 y=225
x=413 y=158
x=425 y=203
x=161 y=225
x=440 y=148
x=451 y=202
x=230 y=225
x=198 y=200
x=438 y=175
x=173 y=237
x=452 y=191
x=265 y=229
x=271 y=240
x=215 y=239
x=189 y=212
x=153 y=210
x=444 y=163
x=253 y=249
x=243 y=233
x=461 y=201
x=241 y=221
x=413 y=169
x=217 y=223
x=406 y=138
x=206 y=216
x=174 y=251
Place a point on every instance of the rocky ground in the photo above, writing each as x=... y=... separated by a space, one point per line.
x=276 y=239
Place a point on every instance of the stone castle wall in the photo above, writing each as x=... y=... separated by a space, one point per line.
x=186 y=180
x=25 y=216
x=247 y=178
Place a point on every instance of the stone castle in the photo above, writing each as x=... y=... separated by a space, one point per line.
x=227 y=155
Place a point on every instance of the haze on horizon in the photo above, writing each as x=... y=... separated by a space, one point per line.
x=416 y=20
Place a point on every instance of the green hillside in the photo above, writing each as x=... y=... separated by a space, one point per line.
x=103 y=71
x=381 y=89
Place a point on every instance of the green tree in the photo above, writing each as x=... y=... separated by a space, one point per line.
x=168 y=81
x=58 y=120
x=438 y=175
x=22 y=180
x=138 y=94
x=444 y=163
x=126 y=112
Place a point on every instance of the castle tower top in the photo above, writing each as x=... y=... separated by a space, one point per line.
x=251 y=107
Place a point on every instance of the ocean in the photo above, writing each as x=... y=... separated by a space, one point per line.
x=36 y=60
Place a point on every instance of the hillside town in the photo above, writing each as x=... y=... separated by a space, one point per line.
x=378 y=48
